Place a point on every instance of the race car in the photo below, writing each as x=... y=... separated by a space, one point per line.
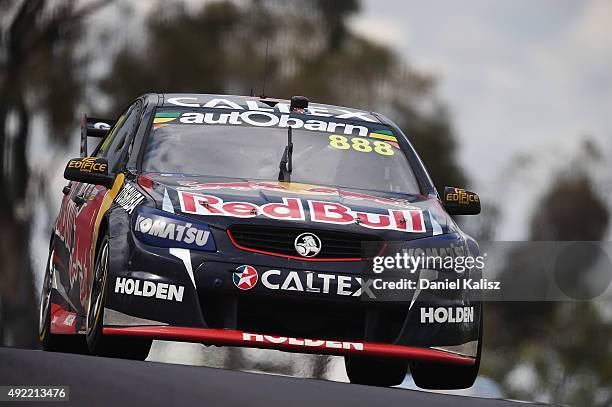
x=258 y=222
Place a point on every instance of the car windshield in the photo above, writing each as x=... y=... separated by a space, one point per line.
x=250 y=145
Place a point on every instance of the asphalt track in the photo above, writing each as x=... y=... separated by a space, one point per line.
x=97 y=381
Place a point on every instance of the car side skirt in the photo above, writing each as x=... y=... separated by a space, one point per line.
x=225 y=337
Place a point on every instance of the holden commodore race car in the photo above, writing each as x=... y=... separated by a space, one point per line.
x=256 y=222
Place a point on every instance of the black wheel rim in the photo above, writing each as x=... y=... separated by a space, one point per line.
x=97 y=288
x=45 y=297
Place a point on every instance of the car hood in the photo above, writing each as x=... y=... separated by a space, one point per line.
x=223 y=202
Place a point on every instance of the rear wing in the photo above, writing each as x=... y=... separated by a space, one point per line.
x=91 y=127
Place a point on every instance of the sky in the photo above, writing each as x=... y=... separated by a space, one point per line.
x=515 y=74
x=519 y=77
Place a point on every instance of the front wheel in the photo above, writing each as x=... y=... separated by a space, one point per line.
x=375 y=372
x=434 y=376
x=98 y=344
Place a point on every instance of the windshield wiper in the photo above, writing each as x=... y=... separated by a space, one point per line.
x=286 y=163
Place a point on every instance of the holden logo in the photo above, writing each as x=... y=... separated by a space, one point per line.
x=245 y=277
x=307 y=244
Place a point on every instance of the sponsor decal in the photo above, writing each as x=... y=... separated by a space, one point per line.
x=255 y=106
x=307 y=244
x=76 y=241
x=441 y=315
x=129 y=198
x=66 y=221
x=80 y=242
x=89 y=164
x=460 y=196
x=405 y=220
x=452 y=249
x=252 y=113
x=265 y=119
x=70 y=319
x=149 y=289
x=245 y=277
x=321 y=283
x=166 y=231
x=101 y=126
x=62 y=321
x=306 y=343
x=65 y=318
x=293 y=187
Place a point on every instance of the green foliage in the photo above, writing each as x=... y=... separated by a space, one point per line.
x=566 y=344
x=570 y=210
x=433 y=138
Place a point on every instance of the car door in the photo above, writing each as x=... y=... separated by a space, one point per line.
x=91 y=203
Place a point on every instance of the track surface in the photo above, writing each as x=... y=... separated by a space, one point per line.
x=97 y=381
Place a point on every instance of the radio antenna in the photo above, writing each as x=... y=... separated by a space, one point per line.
x=265 y=73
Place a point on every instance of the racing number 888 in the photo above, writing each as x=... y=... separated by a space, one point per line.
x=360 y=144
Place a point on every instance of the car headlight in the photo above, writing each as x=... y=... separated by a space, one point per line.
x=163 y=229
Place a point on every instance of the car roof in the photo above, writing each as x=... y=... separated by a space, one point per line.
x=235 y=102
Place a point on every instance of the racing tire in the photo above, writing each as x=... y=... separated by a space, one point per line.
x=435 y=376
x=97 y=343
x=375 y=372
x=49 y=341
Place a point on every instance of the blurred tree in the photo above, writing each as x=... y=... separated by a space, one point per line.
x=435 y=141
x=562 y=223
x=566 y=344
x=38 y=76
x=335 y=14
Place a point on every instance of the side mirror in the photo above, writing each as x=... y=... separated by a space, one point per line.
x=90 y=170
x=458 y=201
x=91 y=127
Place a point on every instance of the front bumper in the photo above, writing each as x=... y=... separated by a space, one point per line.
x=340 y=348
x=213 y=310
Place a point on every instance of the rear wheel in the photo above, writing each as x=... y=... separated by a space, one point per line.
x=98 y=344
x=49 y=341
x=375 y=372
x=447 y=377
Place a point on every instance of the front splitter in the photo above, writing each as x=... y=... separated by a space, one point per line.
x=225 y=337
